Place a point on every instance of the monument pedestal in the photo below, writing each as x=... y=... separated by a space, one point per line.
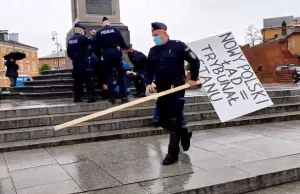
x=90 y=13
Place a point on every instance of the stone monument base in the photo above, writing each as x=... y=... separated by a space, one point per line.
x=95 y=26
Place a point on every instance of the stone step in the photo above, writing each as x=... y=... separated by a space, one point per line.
x=126 y=115
x=117 y=121
x=46 y=95
x=48 y=89
x=51 y=72
x=9 y=96
x=49 y=82
x=141 y=132
x=69 y=107
x=53 y=76
x=42 y=89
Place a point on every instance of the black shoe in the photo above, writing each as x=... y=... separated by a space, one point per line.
x=124 y=100
x=77 y=100
x=186 y=141
x=136 y=95
x=155 y=124
x=91 y=100
x=112 y=100
x=170 y=160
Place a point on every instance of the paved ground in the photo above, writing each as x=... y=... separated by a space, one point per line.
x=134 y=165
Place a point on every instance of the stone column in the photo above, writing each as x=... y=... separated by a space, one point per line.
x=91 y=12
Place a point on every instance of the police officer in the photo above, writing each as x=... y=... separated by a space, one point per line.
x=78 y=51
x=166 y=62
x=138 y=59
x=110 y=40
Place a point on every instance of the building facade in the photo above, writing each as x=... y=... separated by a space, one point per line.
x=27 y=66
x=273 y=26
x=54 y=60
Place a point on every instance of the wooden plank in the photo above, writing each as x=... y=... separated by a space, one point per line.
x=123 y=106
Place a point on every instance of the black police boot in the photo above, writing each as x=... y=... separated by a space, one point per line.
x=173 y=152
x=124 y=100
x=112 y=100
x=91 y=100
x=169 y=160
x=186 y=140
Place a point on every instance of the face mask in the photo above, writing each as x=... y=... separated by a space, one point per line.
x=158 y=41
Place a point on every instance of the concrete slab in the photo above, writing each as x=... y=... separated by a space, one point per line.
x=66 y=155
x=127 y=189
x=63 y=187
x=6 y=186
x=28 y=159
x=90 y=176
x=37 y=176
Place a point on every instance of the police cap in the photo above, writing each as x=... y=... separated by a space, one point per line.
x=104 y=19
x=129 y=46
x=79 y=25
x=158 y=26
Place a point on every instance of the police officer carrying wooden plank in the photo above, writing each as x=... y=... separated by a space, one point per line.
x=166 y=61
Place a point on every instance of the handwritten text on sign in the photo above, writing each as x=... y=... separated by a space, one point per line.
x=229 y=81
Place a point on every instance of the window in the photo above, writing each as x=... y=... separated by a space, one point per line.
x=11 y=49
x=55 y=62
x=27 y=55
x=33 y=66
x=2 y=49
x=63 y=61
x=27 y=66
x=33 y=55
x=3 y=62
x=20 y=65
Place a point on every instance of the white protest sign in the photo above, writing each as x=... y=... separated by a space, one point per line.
x=229 y=81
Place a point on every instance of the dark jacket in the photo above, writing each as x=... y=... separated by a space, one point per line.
x=139 y=60
x=12 y=69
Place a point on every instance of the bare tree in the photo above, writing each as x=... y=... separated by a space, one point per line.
x=253 y=35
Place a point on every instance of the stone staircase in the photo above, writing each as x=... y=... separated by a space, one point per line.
x=32 y=127
x=53 y=84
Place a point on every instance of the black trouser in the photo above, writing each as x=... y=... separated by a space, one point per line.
x=112 y=59
x=80 y=78
x=170 y=110
x=13 y=81
x=139 y=83
x=99 y=77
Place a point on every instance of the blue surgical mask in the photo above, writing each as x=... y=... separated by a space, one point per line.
x=158 y=40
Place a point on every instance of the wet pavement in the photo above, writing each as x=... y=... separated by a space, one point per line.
x=134 y=165
x=22 y=104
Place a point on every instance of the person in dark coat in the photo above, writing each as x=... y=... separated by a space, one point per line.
x=166 y=62
x=138 y=59
x=110 y=41
x=77 y=51
x=12 y=71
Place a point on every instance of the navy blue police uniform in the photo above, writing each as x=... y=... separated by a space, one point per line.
x=110 y=41
x=166 y=62
x=138 y=59
x=78 y=51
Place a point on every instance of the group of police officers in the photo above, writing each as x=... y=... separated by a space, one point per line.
x=165 y=63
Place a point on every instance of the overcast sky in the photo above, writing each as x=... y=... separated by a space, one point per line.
x=187 y=20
